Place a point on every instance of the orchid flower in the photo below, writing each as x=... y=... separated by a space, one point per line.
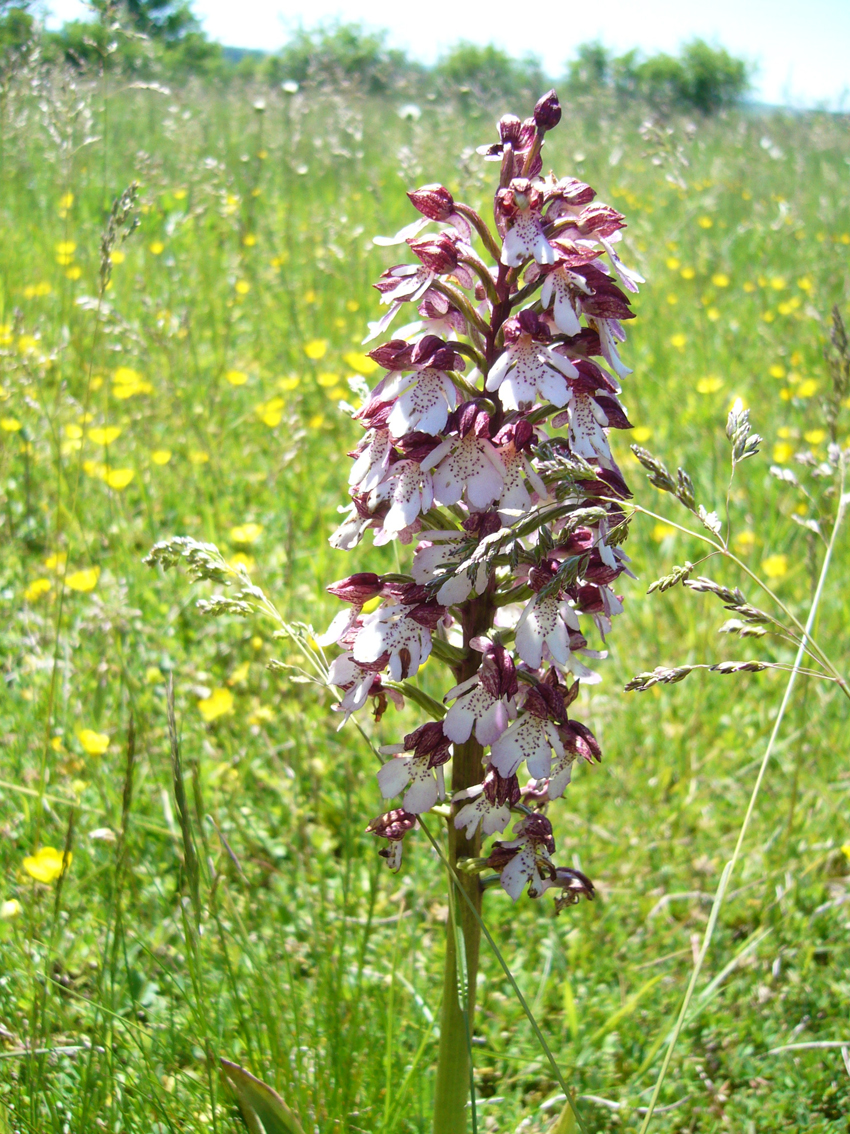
x=486 y=444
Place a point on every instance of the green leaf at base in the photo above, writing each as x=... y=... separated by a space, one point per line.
x=262 y=1109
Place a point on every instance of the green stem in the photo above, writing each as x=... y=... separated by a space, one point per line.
x=453 y=1064
x=463 y=928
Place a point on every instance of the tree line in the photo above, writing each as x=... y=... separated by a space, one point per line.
x=164 y=37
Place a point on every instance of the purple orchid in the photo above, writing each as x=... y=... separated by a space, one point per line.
x=486 y=443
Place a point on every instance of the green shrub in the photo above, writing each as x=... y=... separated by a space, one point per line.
x=712 y=77
x=488 y=70
x=701 y=77
x=339 y=53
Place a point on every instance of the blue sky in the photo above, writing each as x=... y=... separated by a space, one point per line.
x=802 y=51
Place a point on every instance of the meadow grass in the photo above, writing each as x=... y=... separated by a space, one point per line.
x=253 y=920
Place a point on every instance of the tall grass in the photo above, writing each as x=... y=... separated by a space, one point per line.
x=248 y=917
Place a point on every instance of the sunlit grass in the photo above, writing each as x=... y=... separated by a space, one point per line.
x=200 y=398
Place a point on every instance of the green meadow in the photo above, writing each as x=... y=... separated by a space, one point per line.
x=198 y=395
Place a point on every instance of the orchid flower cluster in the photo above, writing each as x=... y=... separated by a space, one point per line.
x=486 y=446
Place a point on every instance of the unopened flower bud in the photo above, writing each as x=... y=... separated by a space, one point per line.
x=501 y=791
x=433 y=201
x=542 y=574
x=547 y=113
x=578 y=738
x=429 y=740
x=509 y=129
x=397 y=354
x=472 y=418
x=482 y=524
x=531 y=324
x=438 y=253
x=498 y=672
x=392 y=824
x=358 y=588
x=578 y=542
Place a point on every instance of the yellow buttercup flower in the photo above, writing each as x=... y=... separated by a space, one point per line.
x=271 y=412
x=261 y=715
x=219 y=702
x=243 y=561
x=105 y=435
x=161 y=456
x=236 y=377
x=47 y=864
x=95 y=469
x=316 y=349
x=745 y=540
x=65 y=250
x=85 y=580
x=95 y=743
x=362 y=363
x=119 y=478
x=246 y=533
x=126 y=382
x=709 y=385
x=239 y=674
x=782 y=452
x=126 y=375
x=36 y=589
x=775 y=566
